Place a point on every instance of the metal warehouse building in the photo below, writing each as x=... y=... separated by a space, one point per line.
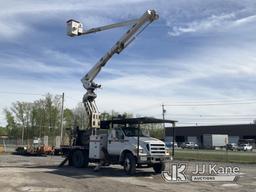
x=195 y=133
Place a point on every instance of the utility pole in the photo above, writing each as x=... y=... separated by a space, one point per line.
x=27 y=131
x=163 y=113
x=173 y=126
x=22 y=135
x=62 y=113
x=173 y=140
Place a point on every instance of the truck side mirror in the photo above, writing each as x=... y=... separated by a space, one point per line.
x=113 y=133
x=119 y=135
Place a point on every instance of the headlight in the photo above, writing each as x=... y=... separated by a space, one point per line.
x=147 y=147
x=140 y=150
x=167 y=152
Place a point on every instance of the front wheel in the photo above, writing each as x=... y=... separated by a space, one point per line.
x=129 y=164
x=159 y=167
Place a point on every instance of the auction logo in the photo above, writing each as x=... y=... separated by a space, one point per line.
x=176 y=173
x=200 y=173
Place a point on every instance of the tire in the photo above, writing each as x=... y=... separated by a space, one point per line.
x=129 y=164
x=80 y=159
x=86 y=159
x=159 y=167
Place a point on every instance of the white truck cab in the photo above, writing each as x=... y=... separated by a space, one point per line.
x=128 y=146
x=125 y=139
x=124 y=146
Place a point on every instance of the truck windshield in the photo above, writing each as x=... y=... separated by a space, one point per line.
x=132 y=132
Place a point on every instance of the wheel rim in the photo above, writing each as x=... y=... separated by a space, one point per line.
x=127 y=164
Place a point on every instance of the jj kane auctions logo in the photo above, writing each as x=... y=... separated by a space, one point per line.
x=201 y=172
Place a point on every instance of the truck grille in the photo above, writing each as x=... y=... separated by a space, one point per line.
x=157 y=149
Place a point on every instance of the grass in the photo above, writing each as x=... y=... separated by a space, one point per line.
x=212 y=155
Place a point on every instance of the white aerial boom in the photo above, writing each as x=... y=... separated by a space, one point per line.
x=75 y=28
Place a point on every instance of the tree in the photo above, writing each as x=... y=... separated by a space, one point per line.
x=36 y=119
x=12 y=128
x=68 y=117
x=108 y=116
x=3 y=131
x=154 y=130
x=22 y=112
x=43 y=118
x=80 y=117
x=52 y=115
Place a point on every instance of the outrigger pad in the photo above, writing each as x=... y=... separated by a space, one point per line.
x=63 y=162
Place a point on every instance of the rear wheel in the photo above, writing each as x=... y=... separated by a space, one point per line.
x=80 y=159
x=129 y=164
x=159 y=167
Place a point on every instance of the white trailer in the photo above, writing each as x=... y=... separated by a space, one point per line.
x=211 y=141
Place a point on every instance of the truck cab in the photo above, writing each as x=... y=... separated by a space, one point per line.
x=125 y=139
x=127 y=143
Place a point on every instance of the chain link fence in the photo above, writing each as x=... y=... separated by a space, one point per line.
x=10 y=145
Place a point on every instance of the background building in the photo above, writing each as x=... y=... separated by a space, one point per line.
x=195 y=133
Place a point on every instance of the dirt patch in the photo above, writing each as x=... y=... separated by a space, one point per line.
x=18 y=173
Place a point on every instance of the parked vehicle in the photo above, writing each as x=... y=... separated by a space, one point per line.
x=189 y=145
x=245 y=147
x=169 y=144
x=214 y=141
x=251 y=142
x=232 y=146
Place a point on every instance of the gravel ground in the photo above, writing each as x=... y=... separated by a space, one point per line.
x=41 y=174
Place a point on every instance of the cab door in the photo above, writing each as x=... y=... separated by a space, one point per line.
x=116 y=141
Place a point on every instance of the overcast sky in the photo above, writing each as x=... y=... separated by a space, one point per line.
x=199 y=57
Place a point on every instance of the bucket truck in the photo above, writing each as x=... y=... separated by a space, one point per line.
x=122 y=142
